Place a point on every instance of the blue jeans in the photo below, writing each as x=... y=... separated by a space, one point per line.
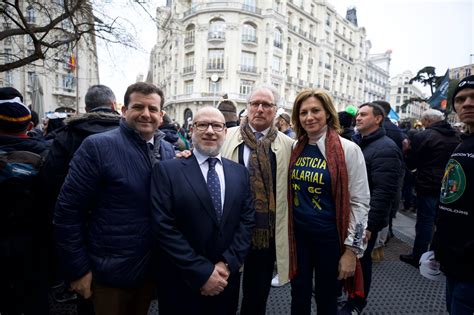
x=425 y=218
x=318 y=255
x=459 y=297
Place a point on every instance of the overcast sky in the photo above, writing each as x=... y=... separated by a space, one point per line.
x=420 y=33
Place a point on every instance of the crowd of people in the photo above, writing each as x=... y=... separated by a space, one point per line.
x=123 y=208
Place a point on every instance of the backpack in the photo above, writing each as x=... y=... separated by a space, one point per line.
x=18 y=180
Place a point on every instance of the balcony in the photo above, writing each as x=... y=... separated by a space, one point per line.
x=253 y=9
x=247 y=68
x=302 y=33
x=220 y=6
x=189 y=40
x=249 y=39
x=189 y=69
x=216 y=36
x=216 y=65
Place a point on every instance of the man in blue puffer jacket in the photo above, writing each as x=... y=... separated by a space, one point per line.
x=102 y=216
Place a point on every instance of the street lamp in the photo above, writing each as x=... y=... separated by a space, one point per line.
x=214 y=79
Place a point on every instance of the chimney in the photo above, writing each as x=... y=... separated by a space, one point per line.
x=351 y=15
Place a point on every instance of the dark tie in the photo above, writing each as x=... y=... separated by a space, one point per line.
x=214 y=187
x=150 y=146
x=258 y=135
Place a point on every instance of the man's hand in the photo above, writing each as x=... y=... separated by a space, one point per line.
x=83 y=285
x=347 y=265
x=184 y=154
x=368 y=234
x=223 y=270
x=214 y=285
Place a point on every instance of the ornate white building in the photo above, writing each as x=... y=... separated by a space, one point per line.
x=208 y=48
x=401 y=91
x=63 y=76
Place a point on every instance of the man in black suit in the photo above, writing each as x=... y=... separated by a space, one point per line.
x=203 y=221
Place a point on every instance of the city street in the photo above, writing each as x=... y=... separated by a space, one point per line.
x=397 y=288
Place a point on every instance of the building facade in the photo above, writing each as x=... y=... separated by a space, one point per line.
x=62 y=78
x=208 y=48
x=402 y=91
x=460 y=73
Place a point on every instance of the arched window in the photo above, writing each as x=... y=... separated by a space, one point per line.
x=188 y=118
x=249 y=33
x=277 y=38
x=217 y=29
x=190 y=34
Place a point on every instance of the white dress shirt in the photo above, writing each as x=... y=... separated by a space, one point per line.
x=204 y=165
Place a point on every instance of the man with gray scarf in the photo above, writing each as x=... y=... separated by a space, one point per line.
x=265 y=151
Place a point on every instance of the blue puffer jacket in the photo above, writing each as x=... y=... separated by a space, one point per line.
x=102 y=216
x=383 y=160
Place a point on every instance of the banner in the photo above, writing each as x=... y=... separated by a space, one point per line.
x=440 y=97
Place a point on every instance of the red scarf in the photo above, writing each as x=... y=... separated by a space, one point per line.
x=340 y=191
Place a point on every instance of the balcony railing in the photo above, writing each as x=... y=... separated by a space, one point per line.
x=189 y=40
x=247 y=68
x=188 y=69
x=216 y=65
x=249 y=38
x=222 y=5
x=216 y=35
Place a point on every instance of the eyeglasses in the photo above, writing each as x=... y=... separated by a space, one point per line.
x=203 y=126
x=256 y=104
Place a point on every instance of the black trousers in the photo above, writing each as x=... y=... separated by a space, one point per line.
x=258 y=273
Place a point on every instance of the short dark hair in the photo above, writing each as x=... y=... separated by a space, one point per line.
x=143 y=88
x=98 y=96
x=385 y=106
x=34 y=118
x=376 y=109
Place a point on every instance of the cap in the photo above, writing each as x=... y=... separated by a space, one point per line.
x=14 y=115
x=466 y=83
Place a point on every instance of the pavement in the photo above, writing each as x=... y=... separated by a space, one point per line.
x=397 y=288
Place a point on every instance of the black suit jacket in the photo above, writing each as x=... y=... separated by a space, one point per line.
x=190 y=239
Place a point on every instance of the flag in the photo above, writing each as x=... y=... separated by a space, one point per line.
x=72 y=62
x=440 y=98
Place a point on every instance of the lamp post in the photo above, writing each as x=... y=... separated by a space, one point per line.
x=214 y=79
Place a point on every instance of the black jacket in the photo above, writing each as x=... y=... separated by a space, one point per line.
x=429 y=153
x=383 y=160
x=393 y=132
x=102 y=216
x=453 y=242
x=67 y=141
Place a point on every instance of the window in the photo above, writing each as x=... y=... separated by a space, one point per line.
x=276 y=64
x=8 y=78
x=405 y=90
x=30 y=15
x=189 y=35
x=216 y=29
x=68 y=82
x=188 y=62
x=31 y=78
x=188 y=87
x=215 y=87
x=399 y=90
x=397 y=101
x=249 y=33
x=248 y=62
x=277 y=5
x=250 y=5
x=277 y=38
x=246 y=87
x=215 y=59
x=7 y=55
